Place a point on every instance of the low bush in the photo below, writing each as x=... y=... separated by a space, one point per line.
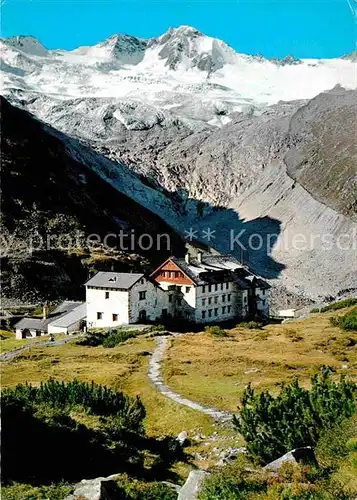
x=216 y=331
x=341 y=304
x=251 y=325
x=95 y=398
x=347 y=322
x=295 y=418
x=111 y=338
x=18 y=491
x=118 y=337
x=130 y=489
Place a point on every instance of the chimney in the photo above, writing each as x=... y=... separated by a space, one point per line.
x=188 y=258
x=199 y=257
x=45 y=311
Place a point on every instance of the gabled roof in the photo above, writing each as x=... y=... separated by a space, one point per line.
x=69 y=318
x=66 y=314
x=217 y=269
x=123 y=281
x=32 y=324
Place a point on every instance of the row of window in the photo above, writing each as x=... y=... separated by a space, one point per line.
x=215 y=288
x=114 y=316
x=214 y=312
x=142 y=295
x=214 y=300
x=171 y=274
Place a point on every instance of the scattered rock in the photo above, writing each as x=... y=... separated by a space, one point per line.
x=299 y=455
x=182 y=438
x=193 y=485
x=230 y=454
x=252 y=370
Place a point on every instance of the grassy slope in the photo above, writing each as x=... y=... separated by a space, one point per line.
x=123 y=368
x=215 y=371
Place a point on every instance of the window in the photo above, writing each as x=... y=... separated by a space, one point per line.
x=142 y=281
x=203 y=314
x=203 y=302
x=216 y=287
x=245 y=298
x=264 y=302
x=227 y=286
x=224 y=310
x=221 y=286
x=223 y=298
x=210 y=288
x=188 y=289
x=216 y=312
x=107 y=295
x=229 y=297
x=179 y=302
x=216 y=299
x=142 y=295
x=210 y=301
x=210 y=313
x=99 y=315
x=229 y=308
x=203 y=289
x=170 y=298
x=115 y=317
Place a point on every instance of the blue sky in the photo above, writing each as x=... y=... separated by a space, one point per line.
x=303 y=28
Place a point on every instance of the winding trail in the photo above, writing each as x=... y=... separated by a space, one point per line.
x=157 y=379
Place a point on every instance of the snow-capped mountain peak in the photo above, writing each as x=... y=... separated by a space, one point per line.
x=187 y=48
x=27 y=44
x=181 y=76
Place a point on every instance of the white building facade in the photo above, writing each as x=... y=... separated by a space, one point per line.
x=205 y=289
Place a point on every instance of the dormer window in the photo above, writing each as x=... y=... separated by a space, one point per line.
x=113 y=279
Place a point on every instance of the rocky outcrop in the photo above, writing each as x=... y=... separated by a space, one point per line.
x=193 y=485
x=298 y=456
x=100 y=488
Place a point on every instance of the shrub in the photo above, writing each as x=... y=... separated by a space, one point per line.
x=139 y=490
x=295 y=418
x=19 y=491
x=347 y=322
x=115 y=338
x=98 y=399
x=341 y=304
x=216 y=330
x=251 y=325
x=233 y=482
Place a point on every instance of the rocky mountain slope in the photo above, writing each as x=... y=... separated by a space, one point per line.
x=199 y=134
x=52 y=202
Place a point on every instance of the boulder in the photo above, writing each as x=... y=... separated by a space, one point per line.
x=182 y=438
x=297 y=456
x=100 y=488
x=193 y=485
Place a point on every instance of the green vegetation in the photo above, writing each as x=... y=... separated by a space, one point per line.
x=110 y=338
x=96 y=399
x=19 y=491
x=341 y=304
x=216 y=331
x=295 y=418
x=334 y=478
x=67 y=431
x=347 y=322
x=251 y=325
